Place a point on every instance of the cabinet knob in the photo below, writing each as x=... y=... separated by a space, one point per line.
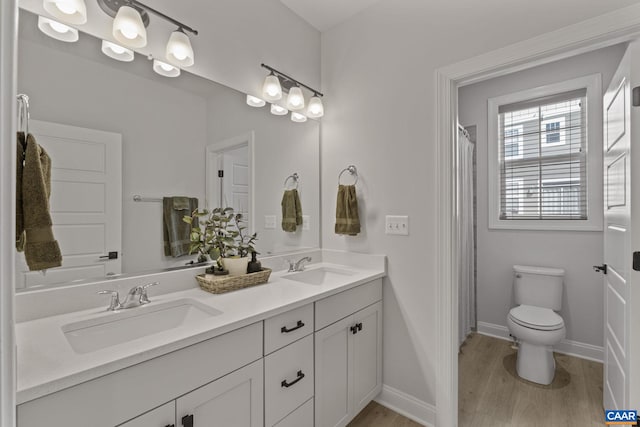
x=284 y=383
x=299 y=325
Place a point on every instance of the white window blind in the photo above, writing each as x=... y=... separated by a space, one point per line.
x=543 y=158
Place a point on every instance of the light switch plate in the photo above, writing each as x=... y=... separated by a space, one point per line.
x=306 y=222
x=269 y=222
x=397 y=224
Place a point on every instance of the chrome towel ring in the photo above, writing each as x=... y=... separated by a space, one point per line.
x=352 y=170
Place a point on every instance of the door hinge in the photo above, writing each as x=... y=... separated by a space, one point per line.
x=635 y=96
x=636 y=261
x=221 y=173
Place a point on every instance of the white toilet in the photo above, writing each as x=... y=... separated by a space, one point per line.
x=534 y=321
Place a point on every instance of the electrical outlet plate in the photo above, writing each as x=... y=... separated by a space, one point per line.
x=397 y=224
x=269 y=222
x=306 y=222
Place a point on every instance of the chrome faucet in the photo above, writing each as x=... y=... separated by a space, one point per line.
x=136 y=297
x=297 y=265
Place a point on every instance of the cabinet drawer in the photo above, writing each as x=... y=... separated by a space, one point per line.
x=287 y=327
x=339 y=306
x=288 y=379
x=301 y=417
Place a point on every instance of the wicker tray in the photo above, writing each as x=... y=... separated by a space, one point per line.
x=223 y=284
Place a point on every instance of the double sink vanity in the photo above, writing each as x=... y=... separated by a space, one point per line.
x=301 y=350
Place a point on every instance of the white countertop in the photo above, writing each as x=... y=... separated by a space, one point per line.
x=47 y=363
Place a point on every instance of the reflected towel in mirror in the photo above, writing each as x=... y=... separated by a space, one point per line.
x=176 y=231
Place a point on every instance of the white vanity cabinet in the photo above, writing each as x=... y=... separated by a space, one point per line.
x=123 y=395
x=348 y=353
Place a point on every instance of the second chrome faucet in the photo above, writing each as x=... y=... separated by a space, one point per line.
x=136 y=297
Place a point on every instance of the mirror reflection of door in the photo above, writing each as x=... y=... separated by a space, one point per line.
x=229 y=176
x=85 y=203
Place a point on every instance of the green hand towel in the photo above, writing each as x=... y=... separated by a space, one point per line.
x=22 y=143
x=291 y=210
x=175 y=230
x=347 y=219
x=41 y=250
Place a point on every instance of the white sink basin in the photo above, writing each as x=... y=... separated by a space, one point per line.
x=133 y=323
x=320 y=276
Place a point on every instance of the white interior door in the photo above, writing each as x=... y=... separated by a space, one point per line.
x=617 y=236
x=235 y=163
x=85 y=203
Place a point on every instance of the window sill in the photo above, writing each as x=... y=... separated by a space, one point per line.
x=542 y=225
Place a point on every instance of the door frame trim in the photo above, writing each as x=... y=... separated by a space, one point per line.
x=605 y=30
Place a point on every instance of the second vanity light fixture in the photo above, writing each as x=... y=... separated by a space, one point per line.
x=272 y=90
x=128 y=30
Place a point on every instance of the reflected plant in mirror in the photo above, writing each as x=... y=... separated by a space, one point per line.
x=117 y=129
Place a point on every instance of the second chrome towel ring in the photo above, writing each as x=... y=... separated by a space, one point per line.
x=295 y=177
x=352 y=170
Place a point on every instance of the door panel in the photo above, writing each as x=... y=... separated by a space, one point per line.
x=367 y=366
x=617 y=236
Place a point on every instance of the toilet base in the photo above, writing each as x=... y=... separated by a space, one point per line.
x=536 y=363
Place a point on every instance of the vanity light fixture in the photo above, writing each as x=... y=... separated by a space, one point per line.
x=271 y=89
x=165 y=69
x=297 y=117
x=254 y=101
x=295 y=100
x=315 y=109
x=277 y=82
x=179 y=50
x=117 y=52
x=57 y=30
x=128 y=28
x=278 y=110
x=68 y=11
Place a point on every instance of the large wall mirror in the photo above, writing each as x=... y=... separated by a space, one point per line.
x=118 y=130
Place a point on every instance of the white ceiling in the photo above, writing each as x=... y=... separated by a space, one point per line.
x=324 y=14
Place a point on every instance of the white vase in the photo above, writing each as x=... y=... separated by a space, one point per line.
x=236 y=266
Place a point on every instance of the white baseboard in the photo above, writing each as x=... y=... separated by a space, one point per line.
x=568 y=347
x=407 y=405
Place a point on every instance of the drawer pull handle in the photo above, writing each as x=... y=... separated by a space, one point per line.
x=284 y=383
x=355 y=328
x=299 y=325
x=187 y=421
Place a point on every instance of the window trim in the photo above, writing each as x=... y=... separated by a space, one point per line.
x=593 y=84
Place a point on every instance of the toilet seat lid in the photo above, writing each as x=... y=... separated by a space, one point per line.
x=539 y=318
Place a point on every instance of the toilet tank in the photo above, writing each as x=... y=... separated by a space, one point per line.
x=538 y=286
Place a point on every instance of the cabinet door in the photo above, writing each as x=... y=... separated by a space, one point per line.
x=233 y=400
x=333 y=379
x=164 y=416
x=367 y=356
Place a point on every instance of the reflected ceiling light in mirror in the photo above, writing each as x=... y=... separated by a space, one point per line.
x=295 y=100
x=179 y=51
x=315 y=109
x=68 y=11
x=278 y=110
x=271 y=89
x=57 y=30
x=165 y=69
x=298 y=118
x=128 y=28
x=254 y=101
x=117 y=52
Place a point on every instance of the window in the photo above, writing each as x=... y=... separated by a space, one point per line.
x=542 y=161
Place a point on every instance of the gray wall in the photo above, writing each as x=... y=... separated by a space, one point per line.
x=499 y=250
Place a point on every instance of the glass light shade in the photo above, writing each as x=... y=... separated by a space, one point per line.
x=165 y=69
x=128 y=28
x=315 y=109
x=57 y=30
x=179 y=51
x=295 y=100
x=69 y=11
x=298 y=118
x=271 y=90
x=278 y=110
x=254 y=101
x=117 y=52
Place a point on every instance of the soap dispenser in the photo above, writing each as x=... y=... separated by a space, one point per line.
x=254 y=265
